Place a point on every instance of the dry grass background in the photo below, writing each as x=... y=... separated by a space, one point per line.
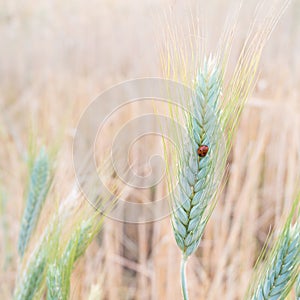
x=55 y=57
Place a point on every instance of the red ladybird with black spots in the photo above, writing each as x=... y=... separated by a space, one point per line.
x=202 y=150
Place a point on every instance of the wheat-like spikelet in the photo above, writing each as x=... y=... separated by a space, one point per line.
x=282 y=268
x=58 y=277
x=52 y=257
x=298 y=288
x=48 y=260
x=215 y=114
x=32 y=278
x=38 y=188
x=33 y=273
x=54 y=281
x=37 y=263
x=198 y=176
x=275 y=278
x=83 y=237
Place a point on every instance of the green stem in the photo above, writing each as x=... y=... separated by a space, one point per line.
x=183 y=278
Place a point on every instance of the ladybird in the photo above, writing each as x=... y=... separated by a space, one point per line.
x=202 y=150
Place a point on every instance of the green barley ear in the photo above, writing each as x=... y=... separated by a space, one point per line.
x=278 y=275
x=54 y=282
x=33 y=274
x=33 y=277
x=7 y=244
x=298 y=288
x=198 y=176
x=59 y=273
x=38 y=188
x=211 y=123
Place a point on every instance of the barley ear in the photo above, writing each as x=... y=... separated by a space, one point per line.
x=38 y=189
x=54 y=282
x=198 y=176
x=215 y=109
x=278 y=275
x=30 y=282
x=59 y=273
x=32 y=278
x=298 y=288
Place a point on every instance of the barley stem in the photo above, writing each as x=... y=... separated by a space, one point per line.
x=183 y=278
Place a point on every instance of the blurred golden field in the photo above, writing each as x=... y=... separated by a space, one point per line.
x=57 y=56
